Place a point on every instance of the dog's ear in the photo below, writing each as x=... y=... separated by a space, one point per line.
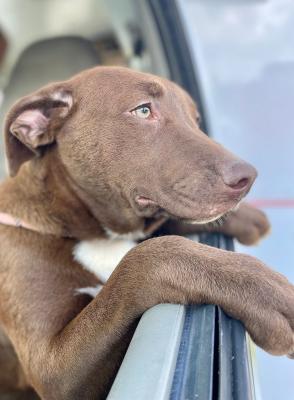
x=32 y=123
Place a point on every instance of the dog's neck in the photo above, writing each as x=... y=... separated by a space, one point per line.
x=65 y=209
x=39 y=196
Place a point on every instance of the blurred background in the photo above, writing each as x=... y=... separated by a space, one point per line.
x=236 y=58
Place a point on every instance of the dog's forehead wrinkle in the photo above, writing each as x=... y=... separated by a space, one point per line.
x=153 y=89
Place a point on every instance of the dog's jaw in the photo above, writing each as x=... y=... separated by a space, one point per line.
x=148 y=206
x=216 y=219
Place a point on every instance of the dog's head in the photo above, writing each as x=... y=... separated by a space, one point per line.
x=131 y=141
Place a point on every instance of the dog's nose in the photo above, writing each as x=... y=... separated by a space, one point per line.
x=239 y=175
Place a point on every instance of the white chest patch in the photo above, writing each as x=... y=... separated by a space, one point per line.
x=101 y=256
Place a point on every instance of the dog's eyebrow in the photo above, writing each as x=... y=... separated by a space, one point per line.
x=153 y=89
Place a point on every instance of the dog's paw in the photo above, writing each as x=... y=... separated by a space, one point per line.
x=247 y=224
x=266 y=307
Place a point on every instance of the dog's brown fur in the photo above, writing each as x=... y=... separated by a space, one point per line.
x=82 y=162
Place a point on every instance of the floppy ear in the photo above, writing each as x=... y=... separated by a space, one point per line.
x=33 y=122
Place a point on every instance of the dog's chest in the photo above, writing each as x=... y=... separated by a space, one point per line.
x=102 y=256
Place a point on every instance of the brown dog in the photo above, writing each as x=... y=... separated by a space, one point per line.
x=96 y=162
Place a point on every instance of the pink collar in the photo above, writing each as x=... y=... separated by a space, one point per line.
x=8 y=219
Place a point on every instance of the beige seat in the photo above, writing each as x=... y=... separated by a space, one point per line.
x=45 y=61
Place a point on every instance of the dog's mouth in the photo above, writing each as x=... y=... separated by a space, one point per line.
x=148 y=208
x=143 y=202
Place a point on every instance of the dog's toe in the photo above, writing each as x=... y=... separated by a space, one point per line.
x=249 y=224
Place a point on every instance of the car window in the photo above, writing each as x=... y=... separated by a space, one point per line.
x=244 y=56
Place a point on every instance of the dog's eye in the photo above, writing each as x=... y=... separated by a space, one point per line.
x=143 y=111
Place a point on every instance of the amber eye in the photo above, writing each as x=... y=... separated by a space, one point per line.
x=143 y=111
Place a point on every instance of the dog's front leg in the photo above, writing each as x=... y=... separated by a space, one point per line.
x=247 y=224
x=80 y=360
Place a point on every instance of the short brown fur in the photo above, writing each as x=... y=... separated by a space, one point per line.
x=81 y=161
